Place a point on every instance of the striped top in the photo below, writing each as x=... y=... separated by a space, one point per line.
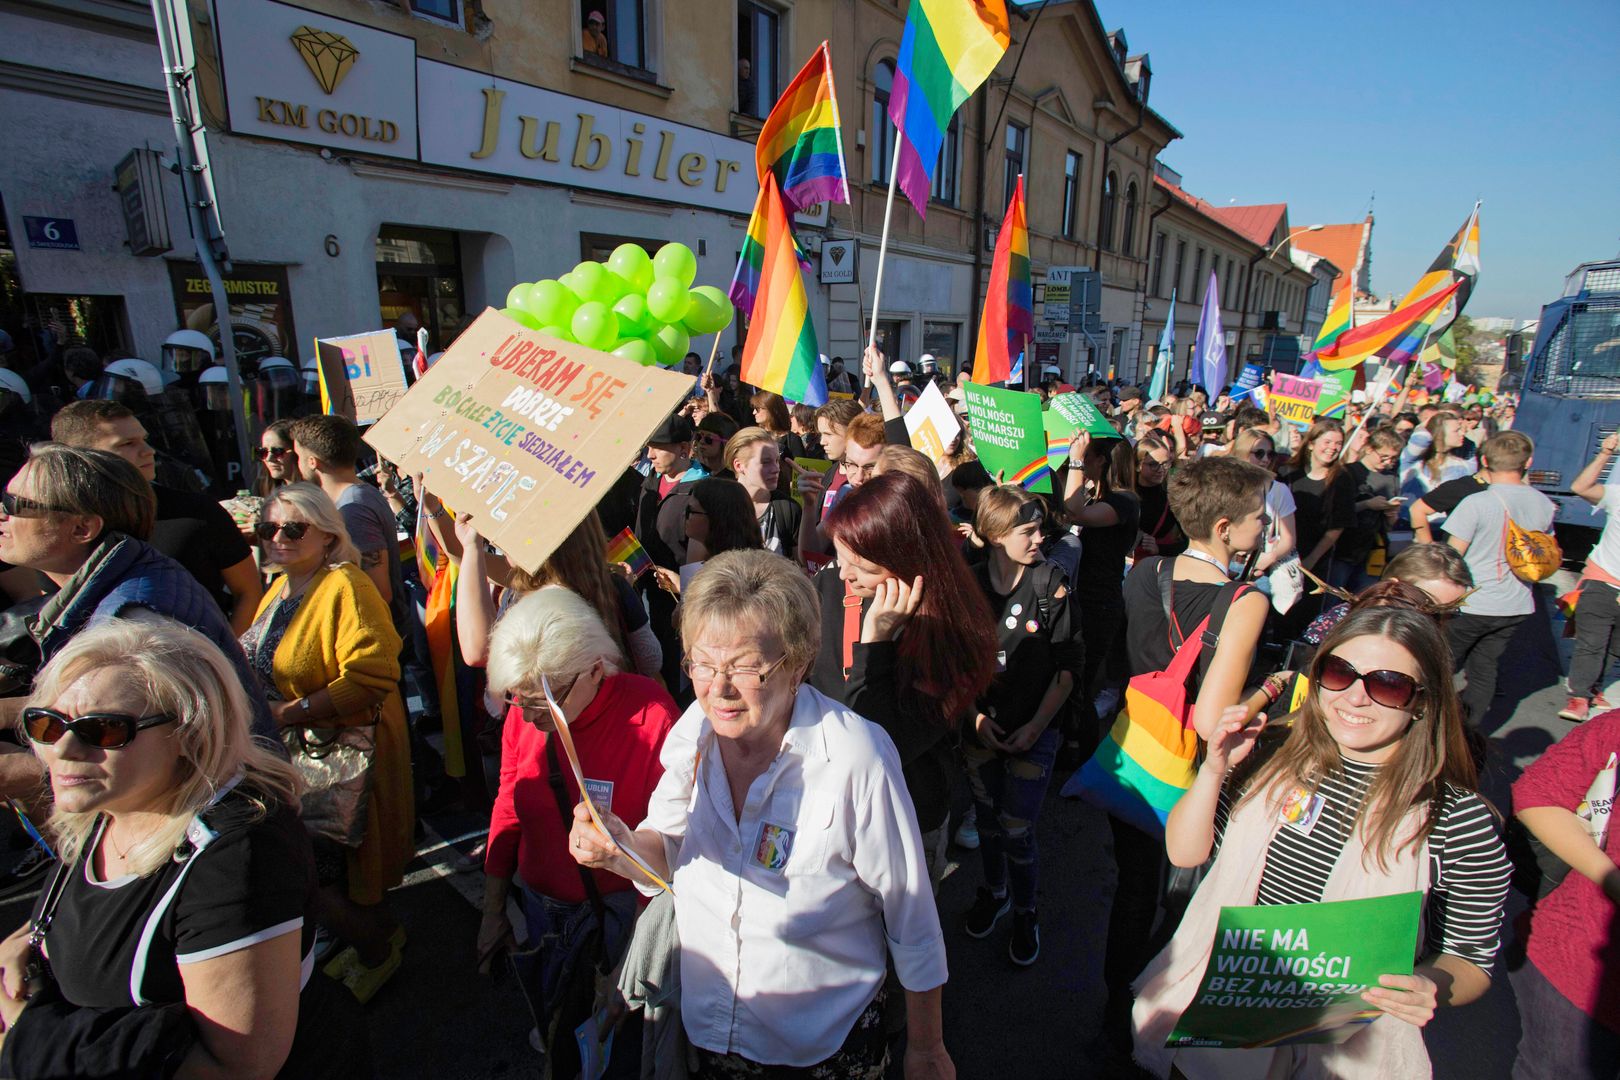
x=1468 y=866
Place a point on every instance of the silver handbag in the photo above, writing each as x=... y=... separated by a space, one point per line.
x=334 y=764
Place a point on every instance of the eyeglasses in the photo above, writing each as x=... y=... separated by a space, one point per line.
x=741 y=678
x=858 y=470
x=106 y=731
x=1155 y=463
x=263 y=452
x=22 y=506
x=694 y=510
x=294 y=530
x=709 y=438
x=1392 y=689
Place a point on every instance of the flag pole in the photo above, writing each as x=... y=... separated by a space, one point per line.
x=883 y=244
x=713 y=352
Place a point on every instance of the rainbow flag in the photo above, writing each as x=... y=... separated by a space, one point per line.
x=627 y=549
x=1340 y=317
x=1457 y=263
x=800 y=142
x=780 y=354
x=1008 y=322
x=751 y=259
x=947 y=51
x=1396 y=338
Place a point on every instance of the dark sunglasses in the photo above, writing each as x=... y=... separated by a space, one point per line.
x=294 y=530
x=22 y=506
x=709 y=438
x=264 y=452
x=107 y=731
x=1392 y=689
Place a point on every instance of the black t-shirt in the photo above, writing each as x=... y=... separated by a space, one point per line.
x=1103 y=547
x=196 y=532
x=1158 y=521
x=1148 y=642
x=1320 y=507
x=1037 y=636
x=1370 y=525
x=246 y=881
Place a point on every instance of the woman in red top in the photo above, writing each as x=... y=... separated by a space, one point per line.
x=618 y=722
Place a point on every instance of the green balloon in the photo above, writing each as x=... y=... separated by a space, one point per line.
x=518 y=315
x=637 y=350
x=550 y=301
x=590 y=283
x=594 y=326
x=668 y=299
x=631 y=262
x=561 y=333
x=704 y=316
x=719 y=299
x=670 y=344
x=516 y=294
x=633 y=316
x=676 y=261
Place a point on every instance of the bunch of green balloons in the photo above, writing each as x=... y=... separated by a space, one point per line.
x=638 y=306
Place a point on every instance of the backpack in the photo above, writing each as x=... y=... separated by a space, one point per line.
x=1532 y=556
x=1150 y=757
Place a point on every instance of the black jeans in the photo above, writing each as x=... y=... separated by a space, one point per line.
x=1141 y=861
x=1559 y=1041
x=1477 y=645
x=1597 y=637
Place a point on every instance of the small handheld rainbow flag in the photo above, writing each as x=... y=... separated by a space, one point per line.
x=1008 y=324
x=627 y=549
x=800 y=143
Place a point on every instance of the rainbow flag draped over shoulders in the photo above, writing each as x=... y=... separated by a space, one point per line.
x=1395 y=339
x=947 y=51
x=780 y=354
x=800 y=143
x=1008 y=322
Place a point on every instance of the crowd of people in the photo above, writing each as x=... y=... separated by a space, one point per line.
x=728 y=786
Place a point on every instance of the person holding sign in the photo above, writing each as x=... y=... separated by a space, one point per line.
x=783 y=824
x=618 y=722
x=1372 y=793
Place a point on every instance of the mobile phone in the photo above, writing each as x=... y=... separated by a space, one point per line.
x=1398 y=500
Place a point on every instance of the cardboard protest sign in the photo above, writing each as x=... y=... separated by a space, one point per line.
x=819 y=466
x=1293 y=399
x=1294 y=973
x=1336 y=389
x=524 y=432
x=362 y=375
x=931 y=424
x=1009 y=435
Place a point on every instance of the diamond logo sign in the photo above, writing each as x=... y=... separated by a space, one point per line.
x=328 y=56
x=837 y=255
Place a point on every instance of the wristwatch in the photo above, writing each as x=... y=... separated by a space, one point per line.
x=303 y=703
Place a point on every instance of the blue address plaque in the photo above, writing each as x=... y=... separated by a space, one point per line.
x=55 y=234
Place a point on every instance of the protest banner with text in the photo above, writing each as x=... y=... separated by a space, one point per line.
x=524 y=432
x=1009 y=435
x=1293 y=400
x=930 y=423
x=362 y=375
x=1294 y=973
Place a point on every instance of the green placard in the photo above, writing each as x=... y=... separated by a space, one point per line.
x=1067 y=413
x=1336 y=388
x=1009 y=436
x=1294 y=973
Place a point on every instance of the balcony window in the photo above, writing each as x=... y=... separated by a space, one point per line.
x=758 y=52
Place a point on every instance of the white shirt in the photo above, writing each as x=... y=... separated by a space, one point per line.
x=1279 y=504
x=785 y=914
x=1607 y=552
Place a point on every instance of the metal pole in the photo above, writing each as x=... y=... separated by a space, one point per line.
x=174 y=43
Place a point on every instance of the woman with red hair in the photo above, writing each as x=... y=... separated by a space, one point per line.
x=905 y=633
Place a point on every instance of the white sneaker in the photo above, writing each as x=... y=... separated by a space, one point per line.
x=967 y=833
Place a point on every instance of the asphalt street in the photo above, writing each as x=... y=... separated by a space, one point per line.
x=439 y=1018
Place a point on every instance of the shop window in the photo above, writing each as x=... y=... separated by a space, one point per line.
x=613 y=34
x=759 y=80
x=596 y=247
x=881 y=133
x=891 y=339
x=1071 y=193
x=419 y=282
x=943 y=189
x=1017 y=134
x=943 y=340
x=445 y=11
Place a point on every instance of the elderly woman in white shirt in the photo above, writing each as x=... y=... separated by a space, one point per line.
x=795 y=853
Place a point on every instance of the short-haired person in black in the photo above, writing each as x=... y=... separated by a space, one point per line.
x=1220 y=504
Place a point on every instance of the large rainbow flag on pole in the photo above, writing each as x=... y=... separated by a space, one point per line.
x=780 y=354
x=800 y=142
x=1458 y=262
x=1008 y=323
x=947 y=51
x=1395 y=339
x=1340 y=317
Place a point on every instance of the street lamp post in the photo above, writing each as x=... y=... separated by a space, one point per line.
x=1248 y=286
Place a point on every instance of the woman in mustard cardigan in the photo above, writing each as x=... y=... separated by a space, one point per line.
x=325 y=649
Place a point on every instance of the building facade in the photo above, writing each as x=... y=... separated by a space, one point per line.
x=405 y=164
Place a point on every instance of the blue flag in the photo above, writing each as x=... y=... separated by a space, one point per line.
x=1209 y=351
x=1166 y=356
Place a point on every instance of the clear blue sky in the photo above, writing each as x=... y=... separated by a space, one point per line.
x=1431 y=107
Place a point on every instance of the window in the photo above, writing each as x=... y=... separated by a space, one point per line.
x=1105 y=226
x=1181 y=262
x=1158 y=265
x=1128 y=245
x=1071 y=193
x=943 y=188
x=943 y=339
x=881 y=134
x=1231 y=297
x=614 y=30
x=448 y=11
x=1015 y=159
x=758 y=76
x=1198 y=276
